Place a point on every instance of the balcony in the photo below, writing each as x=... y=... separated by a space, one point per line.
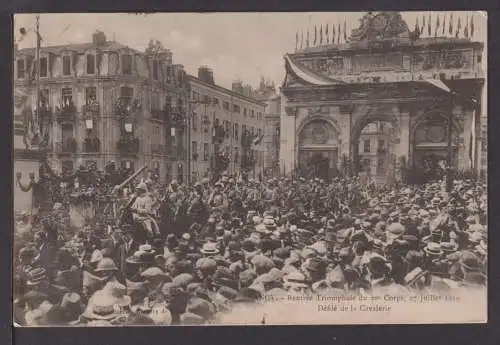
x=158 y=149
x=382 y=150
x=92 y=109
x=45 y=112
x=91 y=145
x=128 y=145
x=176 y=118
x=66 y=147
x=65 y=114
x=158 y=114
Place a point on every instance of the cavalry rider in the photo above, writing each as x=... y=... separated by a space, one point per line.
x=142 y=209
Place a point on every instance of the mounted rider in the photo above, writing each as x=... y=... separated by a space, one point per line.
x=142 y=209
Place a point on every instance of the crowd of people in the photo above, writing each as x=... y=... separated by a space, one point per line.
x=188 y=255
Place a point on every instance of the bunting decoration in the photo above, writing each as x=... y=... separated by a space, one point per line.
x=459 y=27
x=444 y=24
x=466 y=29
x=437 y=26
x=321 y=34
x=450 y=27
x=327 y=38
x=472 y=26
x=333 y=34
x=301 y=39
x=429 y=29
x=345 y=31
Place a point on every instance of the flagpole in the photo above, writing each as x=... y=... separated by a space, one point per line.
x=37 y=112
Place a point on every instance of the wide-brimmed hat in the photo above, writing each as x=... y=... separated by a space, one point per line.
x=449 y=247
x=295 y=280
x=470 y=262
x=106 y=265
x=153 y=272
x=378 y=264
x=107 y=304
x=206 y=265
x=36 y=276
x=141 y=257
x=201 y=307
x=433 y=249
x=210 y=248
x=395 y=230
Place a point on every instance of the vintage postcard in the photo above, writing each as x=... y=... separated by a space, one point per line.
x=250 y=168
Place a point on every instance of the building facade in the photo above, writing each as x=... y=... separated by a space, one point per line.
x=385 y=73
x=239 y=120
x=103 y=101
x=272 y=136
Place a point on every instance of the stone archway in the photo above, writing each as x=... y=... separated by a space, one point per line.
x=375 y=114
x=317 y=147
x=429 y=145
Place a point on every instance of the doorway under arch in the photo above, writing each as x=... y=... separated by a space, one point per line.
x=318 y=149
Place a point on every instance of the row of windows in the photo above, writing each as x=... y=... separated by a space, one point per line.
x=230 y=129
x=24 y=67
x=206 y=151
x=367 y=145
x=126 y=93
x=235 y=108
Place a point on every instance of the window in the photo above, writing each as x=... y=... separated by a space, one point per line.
x=128 y=164
x=156 y=167
x=155 y=69
x=235 y=131
x=252 y=113
x=381 y=143
x=194 y=123
x=206 y=99
x=367 y=165
x=126 y=93
x=90 y=64
x=43 y=67
x=243 y=129
x=226 y=128
x=67 y=167
x=236 y=108
x=66 y=65
x=127 y=64
x=90 y=94
x=67 y=96
x=381 y=164
x=259 y=131
x=216 y=102
x=206 y=152
x=366 y=146
x=244 y=112
x=194 y=176
x=225 y=105
x=236 y=155
x=20 y=69
x=194 y=148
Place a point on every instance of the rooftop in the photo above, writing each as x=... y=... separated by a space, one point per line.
x=79 y=48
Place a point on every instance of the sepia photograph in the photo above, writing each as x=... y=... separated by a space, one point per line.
x=319 y=168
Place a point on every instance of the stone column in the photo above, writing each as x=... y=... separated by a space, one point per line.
x=287 y=137
x=344 y=113
x=402 y=139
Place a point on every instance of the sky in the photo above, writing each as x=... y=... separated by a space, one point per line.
x=241 y=46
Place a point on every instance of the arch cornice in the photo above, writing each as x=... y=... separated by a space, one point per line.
x=318 y=117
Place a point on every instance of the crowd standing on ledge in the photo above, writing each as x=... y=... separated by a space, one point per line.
x=187 y=255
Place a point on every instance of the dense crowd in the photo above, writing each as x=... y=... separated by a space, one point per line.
x=188 y=255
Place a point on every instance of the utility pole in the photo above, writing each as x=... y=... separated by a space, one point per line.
x=449 y=173
x=36 y=120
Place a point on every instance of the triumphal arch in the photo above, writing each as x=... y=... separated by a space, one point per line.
x=384 y=73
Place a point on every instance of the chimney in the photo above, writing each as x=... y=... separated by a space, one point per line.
x=238 y=87
x=206 y=75
x=99 y=38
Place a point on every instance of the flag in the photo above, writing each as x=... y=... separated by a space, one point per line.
x=338 y=38
x=327 y=38
x=257 y=140
x=417 y=26
x=429 y=29
x=459 y=27
x=301 y=39
x=438 y=23
x=296 y=40
x=466 y=29
x=345 y=31
x=444 y=24
x=439 y=84
x=472 y=145
x=333 y=34
x=307 y=39
x=423 y=25
x=472 y=26
x=321 y=34
x=315 y=35
x=450 y=27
